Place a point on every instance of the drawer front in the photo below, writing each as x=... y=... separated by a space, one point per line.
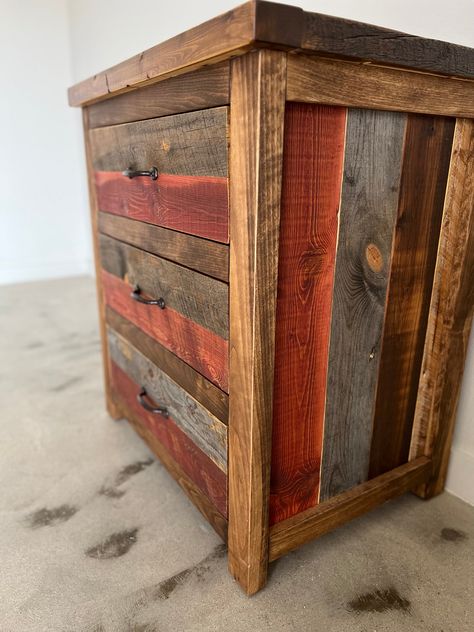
x=194 y=321
x=202 y=470
x=189 y=152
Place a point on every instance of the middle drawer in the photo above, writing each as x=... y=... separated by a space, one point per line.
x=185 y=311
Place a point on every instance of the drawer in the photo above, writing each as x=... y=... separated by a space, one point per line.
x=194 y=321
x=191 y=435
x=189 y=153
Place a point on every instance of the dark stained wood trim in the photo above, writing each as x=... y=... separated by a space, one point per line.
x=315 y=522
x=336 y=82
x=211 y=397
x=202 y=255
x=451 y=315
x=258 y=24
x=425 y=167
x=256 y=153
x=207 y=87
x=192 y=491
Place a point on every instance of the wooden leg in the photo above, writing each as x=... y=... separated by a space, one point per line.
x=450 y=319
x=258 y=91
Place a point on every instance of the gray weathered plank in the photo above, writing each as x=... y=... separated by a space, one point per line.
x=194 y=144
x=369 y=201
x=196 y=296
x=207 y=432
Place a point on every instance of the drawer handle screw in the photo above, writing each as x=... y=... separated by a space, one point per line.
x=131 y=173
x=158 y=410
x=136 y=295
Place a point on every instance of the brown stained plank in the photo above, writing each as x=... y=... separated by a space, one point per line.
x=191 y=204
x=211 y=397
x=256 y=150
x=192 y=144
x=205 y=430
x=195 y=345
x=315 y=522
x=335 y=82
x=195 y=296
x=205 y=88
x=94 y=210
x=374 y=145
x=175 y=445
x=450 y=317
x=312 y=177
x=198 y=254
x=423 y=184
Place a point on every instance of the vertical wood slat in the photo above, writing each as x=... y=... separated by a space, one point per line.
x=258 y=89
x=374 y=145
x=450 y=318
x=311 y=189
x=423 y=185
x=112 y=409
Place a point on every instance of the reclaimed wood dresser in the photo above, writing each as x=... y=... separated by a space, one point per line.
x=282 y=206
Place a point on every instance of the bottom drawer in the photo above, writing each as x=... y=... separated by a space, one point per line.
x=205 y=474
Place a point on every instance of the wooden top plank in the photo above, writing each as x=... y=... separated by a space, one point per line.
x=261 y=24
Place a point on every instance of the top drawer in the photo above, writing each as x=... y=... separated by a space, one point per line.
x=189 y=152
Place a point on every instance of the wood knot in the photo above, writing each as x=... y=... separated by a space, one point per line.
x=374 y=258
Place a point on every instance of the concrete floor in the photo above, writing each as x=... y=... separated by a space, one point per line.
x=96 y=537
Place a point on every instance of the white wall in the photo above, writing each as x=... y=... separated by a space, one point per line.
x=43 y=223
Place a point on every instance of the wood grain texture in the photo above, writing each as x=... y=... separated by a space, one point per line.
x=450 y=317
x=195 y=345
x=315 y=522
x=423 y=185
x=185 y=462
x=109 y=399
x=204 y=88
x=195 y=296
x=256 y=140
x=205 y=430
x=192 y=144
x=195 y=253
x=311 y=190
x=192 y=204
x=211 y=397
x=374 y=145
x=334 y=82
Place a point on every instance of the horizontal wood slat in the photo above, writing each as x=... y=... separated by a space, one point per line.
x=191 y=204
x=374 y=145
x=205 y=430
x=423 y=185
x=195 y=296
x=205 y=88
x=200 y=348
x=315 y=522
x=202 y=255
x=211 y=397
x=312 y=175
x=193 y=144
x=210 y=480
x=317 y=80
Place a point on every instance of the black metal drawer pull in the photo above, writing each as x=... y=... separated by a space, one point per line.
x=136 y=295
x=158 y=410
x=131 y=173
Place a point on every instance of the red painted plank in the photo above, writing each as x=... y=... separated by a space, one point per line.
x=211 y=480
x=312 y=176
x=197 y=346
x=196 y=205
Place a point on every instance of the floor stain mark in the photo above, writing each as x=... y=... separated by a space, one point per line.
x=453 y=535
x=380 y=601
x=115 y=545
x=50 y=517
x=35 y=344
x=112 y=491
x=65 y=385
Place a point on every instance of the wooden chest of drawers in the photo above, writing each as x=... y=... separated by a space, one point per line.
x=282 y=206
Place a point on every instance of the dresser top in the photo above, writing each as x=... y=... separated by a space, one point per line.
x=260 y=24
